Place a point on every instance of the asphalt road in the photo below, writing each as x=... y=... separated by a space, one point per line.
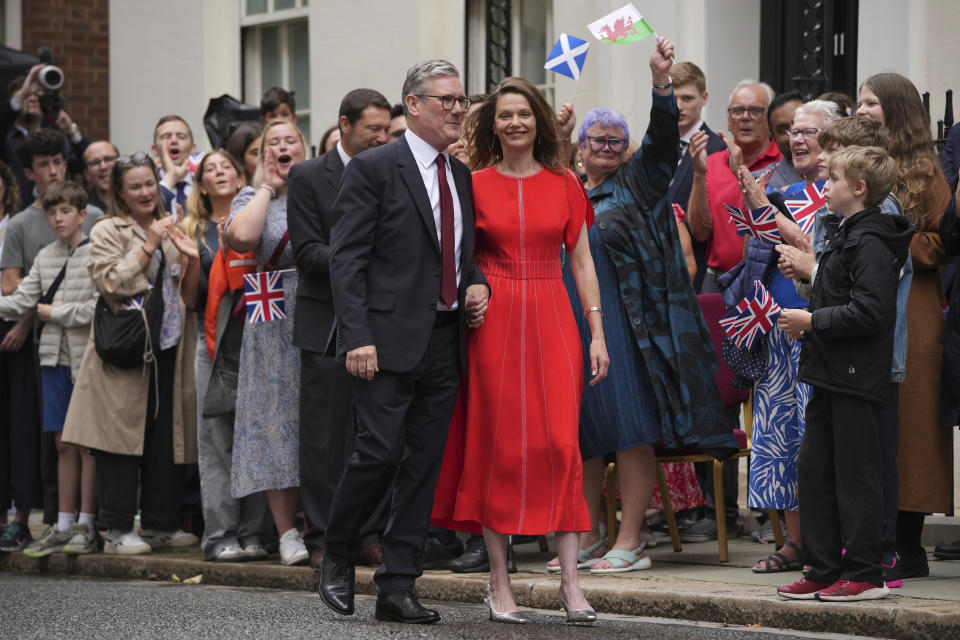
x=73 y=607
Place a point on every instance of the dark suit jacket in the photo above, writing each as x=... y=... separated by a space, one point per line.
x=311 y=191
x=385 y=266
x=679 y=191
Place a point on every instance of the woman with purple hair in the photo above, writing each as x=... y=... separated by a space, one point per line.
x=662 y=390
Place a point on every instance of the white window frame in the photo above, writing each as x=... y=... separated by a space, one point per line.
x=252 y=51
x=476 y=46
x=548 y=89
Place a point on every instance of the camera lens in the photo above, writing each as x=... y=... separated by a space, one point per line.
x=50 y=77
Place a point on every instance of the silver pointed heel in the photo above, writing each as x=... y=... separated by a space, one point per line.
x=577 y=615
x=508 y=617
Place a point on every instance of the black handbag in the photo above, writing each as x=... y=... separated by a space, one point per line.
x=747 y=365
x=126 y=339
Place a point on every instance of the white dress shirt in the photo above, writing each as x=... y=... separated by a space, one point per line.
x=344 y=158
x=426 y=157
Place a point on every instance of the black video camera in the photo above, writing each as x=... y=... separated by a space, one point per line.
x=51 y=79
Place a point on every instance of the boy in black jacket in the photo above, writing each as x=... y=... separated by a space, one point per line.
x=847 y=350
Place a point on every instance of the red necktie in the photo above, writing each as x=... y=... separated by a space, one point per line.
x=448 y=283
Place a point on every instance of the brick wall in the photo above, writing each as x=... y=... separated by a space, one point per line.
x=78 y=34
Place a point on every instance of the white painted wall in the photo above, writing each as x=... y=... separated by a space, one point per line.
x=347 y=53
x=169 y=57
x=917 y=39
x=619 y=76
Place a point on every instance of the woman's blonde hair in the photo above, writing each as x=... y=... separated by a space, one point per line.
x=199 y=207
x=258 y=175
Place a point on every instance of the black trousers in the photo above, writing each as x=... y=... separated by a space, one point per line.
x=889 y=442
x=327 y=438
x=160 y=480
x=841 y=489
x=404 y=422
x=20 y=426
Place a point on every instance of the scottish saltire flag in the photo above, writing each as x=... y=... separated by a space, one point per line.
x=623 y=26
x=753 y=317
x=760 y=223
x=133 y=303
x=567 y=56
x=263 y=294
x=804 y=205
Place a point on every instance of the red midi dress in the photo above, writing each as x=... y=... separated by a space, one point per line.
x=512 y=462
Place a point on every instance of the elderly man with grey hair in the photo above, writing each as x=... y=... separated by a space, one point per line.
x=715 y=181
x=404 y=287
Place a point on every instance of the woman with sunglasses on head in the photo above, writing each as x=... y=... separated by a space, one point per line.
x=140 y=423
x=662 y=390
x=267 y=424
x=233 y=529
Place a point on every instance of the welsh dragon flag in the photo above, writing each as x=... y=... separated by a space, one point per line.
x=623 y=26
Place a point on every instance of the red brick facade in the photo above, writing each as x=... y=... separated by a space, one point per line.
x=78 y=34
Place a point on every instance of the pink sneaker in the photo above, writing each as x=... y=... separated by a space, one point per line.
x=846 y=591
x=802 y=589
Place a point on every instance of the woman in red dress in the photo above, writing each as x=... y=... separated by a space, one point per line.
x=521 y=469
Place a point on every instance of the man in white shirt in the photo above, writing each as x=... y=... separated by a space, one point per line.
x=404 y=287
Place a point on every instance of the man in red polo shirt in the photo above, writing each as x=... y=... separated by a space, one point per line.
x=715 y=180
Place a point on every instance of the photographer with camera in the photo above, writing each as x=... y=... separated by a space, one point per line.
x=35 y=102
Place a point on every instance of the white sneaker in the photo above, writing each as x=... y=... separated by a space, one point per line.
x=173 y=539
x=126 y=543
x=292 y=549
x=229 y=553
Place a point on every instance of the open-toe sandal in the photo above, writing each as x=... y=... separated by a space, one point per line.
x=623 y=561
x=776 y=562
x=585 y=558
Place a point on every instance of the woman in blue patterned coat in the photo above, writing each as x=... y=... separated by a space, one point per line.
x=664 y=392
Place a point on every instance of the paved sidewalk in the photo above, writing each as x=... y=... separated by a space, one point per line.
x=690 y=585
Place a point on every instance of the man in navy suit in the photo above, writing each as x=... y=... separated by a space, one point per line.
x=326 y=402
x=690 y=90
x=404 y=288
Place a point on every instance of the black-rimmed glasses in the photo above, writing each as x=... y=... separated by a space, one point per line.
x=616 y=145
x=101 y=161
x=807 y=134
x=447 y=102
x=754 y=113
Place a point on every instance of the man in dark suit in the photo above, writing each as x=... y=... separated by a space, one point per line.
x=326 y=402
x=404 y=285
x=690 y=90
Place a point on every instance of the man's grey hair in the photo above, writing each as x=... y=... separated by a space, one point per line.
x=826 y=109
x=418 y=74
x=750 y=84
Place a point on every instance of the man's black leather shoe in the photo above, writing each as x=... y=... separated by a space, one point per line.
x=948 y=551
x=403 y=606
x=474 y=559
x=437 y=554
x=336 y=586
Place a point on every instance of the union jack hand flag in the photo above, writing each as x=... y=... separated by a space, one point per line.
x=805 y=204
x=263 y=293
x=753 y=317
x=760 y=223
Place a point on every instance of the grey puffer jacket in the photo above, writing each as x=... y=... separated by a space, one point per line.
x=73 y=303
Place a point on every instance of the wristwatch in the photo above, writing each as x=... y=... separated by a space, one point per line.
x=664 y=86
